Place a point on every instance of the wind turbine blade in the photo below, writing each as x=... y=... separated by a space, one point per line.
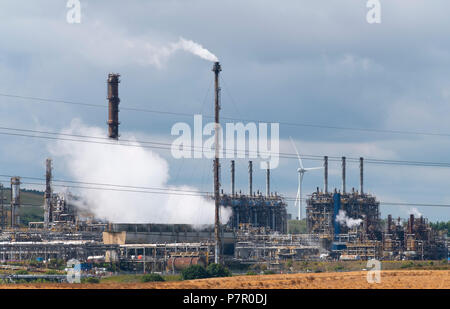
x=300 y=196
x=297 y=199
x=313 y=168
x=298 y=156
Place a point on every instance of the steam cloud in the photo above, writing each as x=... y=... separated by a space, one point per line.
x=344 y=220
x=128 y=166
x=158 y=54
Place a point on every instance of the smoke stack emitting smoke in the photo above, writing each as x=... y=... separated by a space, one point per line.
x=194 y=48
x=153 y=54
x=128 y=166
x=133 y=167
x=414 y=211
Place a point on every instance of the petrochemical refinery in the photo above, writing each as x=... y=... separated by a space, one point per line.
x=341 y=224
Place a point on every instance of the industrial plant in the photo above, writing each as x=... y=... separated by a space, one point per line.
x=342 y=224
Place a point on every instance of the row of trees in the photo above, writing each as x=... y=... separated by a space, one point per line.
x=441 y=226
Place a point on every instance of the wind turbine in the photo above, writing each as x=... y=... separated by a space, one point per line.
x=301 y=171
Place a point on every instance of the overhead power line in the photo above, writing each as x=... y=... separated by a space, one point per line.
x=167 y=146
x=179 y=192
x=287 y=123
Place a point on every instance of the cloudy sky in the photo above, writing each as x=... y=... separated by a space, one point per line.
x=312 y=62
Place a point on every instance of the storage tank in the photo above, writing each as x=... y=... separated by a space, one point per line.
x=180 y=263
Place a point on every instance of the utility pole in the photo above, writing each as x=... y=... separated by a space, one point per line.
x=216 y=69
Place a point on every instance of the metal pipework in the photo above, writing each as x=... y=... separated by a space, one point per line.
x=268 y=180
x=232 y=177
x=250 y=178
x=113 y=105
x=325 y=169
x=217 y=250
x=343 y=174
x=361 y=175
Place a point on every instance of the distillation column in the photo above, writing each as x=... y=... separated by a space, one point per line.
x=15 y=201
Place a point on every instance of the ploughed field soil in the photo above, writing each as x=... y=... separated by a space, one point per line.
x=391 y=279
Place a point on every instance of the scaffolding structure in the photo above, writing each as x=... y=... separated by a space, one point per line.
x=257 y=210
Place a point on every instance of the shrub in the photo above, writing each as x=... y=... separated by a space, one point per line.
x=172 y=278
x=56 y=264
x=251 y=273
x=407 y=265
x=21 y=272
x=269 y=272
x=152 y=278
x=194 y=272
x=52 y=272
x=90 y=280
x=217 y=270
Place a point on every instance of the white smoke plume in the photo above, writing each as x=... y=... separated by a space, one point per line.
x=344 y=220
x=128 y=166
x=414 y=211
x=194 y=48
x=157 y=55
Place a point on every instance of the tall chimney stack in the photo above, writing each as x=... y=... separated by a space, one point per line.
x=250 y=178
x=232 y=177
x=411 y=224
x=343 y=175
x=217 y=250
x=361 y=175
x=48 y=193
x=389 y=224
x=325 y=169
x=268 y=179
x=113 y=105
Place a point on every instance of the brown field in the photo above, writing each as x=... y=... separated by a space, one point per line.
x=418 y=279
